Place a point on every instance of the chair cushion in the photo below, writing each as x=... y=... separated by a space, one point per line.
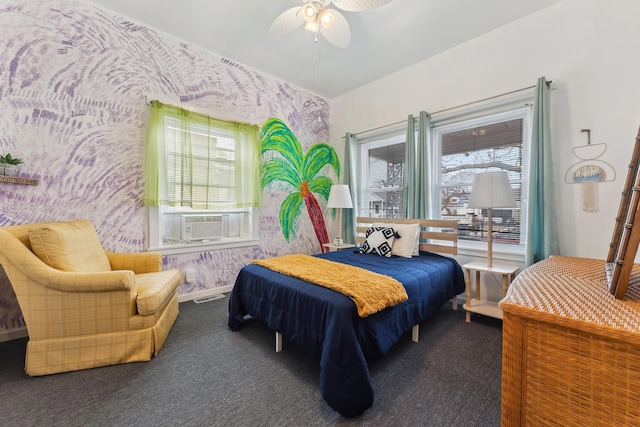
x=69 y=246
x=155 y=289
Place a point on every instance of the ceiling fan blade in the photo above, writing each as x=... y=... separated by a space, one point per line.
x=339 y=33
x=359 y=5
x=286 y=22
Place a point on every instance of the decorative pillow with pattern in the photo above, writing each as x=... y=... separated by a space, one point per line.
x=407 y=239
x=379 y=241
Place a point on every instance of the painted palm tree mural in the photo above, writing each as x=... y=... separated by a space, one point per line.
x=299 y=174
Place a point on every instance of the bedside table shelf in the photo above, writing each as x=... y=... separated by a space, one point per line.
x=478 y=305
x=484 y=307
x=332 y=247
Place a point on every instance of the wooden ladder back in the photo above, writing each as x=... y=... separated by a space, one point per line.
x=626 y=233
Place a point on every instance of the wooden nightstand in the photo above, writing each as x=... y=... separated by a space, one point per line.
x=332 y=247
x=478 y=305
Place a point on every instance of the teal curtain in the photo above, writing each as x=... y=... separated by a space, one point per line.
x=417 y=182
x=424 y=157
x=349 y=178
x=542 y=228
x=410 y=165
x=201 y=162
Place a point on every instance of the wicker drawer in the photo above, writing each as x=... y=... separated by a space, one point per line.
x=571 y=351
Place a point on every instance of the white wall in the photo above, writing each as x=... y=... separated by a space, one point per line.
x=587 y=47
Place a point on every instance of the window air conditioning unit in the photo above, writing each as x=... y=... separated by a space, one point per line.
x=195 y=227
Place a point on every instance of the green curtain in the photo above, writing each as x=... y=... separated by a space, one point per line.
x=155 y=183
x=349 y=178
x=248 y=190
x=196 y=172
x=542 y=230
x=417 y=182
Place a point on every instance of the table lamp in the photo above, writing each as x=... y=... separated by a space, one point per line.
x=339 y=198
x=491 y=190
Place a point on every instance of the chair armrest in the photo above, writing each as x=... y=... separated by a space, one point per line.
x=138 y=262
x=103 y=281
x=66 y=281
x=19 y=262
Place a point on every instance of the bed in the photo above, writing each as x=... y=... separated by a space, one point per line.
x=325 y=324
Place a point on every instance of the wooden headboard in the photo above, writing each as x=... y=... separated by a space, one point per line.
x=436 y=235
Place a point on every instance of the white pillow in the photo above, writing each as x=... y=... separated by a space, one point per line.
x=407 y=245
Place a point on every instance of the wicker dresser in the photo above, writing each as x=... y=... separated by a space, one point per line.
x=571 y=351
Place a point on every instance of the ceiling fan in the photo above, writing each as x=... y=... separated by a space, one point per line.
x=317 y=16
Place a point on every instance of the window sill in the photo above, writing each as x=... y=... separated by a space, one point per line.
x=516 y=255
x=184 y=248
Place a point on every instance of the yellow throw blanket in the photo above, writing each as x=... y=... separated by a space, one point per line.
x=371 y=292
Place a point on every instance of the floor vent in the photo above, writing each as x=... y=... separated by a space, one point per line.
x=209 y=298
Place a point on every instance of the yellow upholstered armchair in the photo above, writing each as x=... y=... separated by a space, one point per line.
x=85 y=307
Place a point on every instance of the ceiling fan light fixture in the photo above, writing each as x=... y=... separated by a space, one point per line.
x=326 y=18
x=309 y=12
x=311 y=26
x=318 y=17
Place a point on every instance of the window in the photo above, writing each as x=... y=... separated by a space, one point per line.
x=202 y=180
x=496 y=142
x=382 y=172
x=201 y=173
x=483 y=139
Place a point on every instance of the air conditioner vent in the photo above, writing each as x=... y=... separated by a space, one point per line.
x=202 y=227
x=189 y=227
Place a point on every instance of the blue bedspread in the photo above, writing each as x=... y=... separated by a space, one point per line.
x=325 y=324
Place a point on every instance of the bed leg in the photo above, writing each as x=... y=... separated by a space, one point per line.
x=278 y=342
x=415 y=333
x=454 y=303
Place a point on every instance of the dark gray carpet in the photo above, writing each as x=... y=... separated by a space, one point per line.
x=206 y=375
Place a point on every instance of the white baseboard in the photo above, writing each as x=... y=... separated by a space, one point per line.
x=205 y=293
x=13 y=334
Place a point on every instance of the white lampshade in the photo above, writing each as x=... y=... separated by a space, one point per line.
x=339 y=197
x=492 y=190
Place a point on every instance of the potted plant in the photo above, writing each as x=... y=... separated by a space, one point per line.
x=9 y=164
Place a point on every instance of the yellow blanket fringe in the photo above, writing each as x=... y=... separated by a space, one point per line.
x=371 y=292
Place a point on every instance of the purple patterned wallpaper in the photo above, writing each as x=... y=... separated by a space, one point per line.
x=74 y=80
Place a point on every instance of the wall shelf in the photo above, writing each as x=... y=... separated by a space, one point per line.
x=18 y=180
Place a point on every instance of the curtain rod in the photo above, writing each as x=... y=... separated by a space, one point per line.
x=453 y=108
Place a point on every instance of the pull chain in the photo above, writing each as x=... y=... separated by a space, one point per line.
x=319 y=74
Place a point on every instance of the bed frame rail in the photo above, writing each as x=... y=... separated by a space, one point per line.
x=415 y=335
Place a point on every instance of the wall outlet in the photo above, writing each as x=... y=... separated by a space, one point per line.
x=190 y=275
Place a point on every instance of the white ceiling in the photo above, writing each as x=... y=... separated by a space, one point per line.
x=383 y=40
